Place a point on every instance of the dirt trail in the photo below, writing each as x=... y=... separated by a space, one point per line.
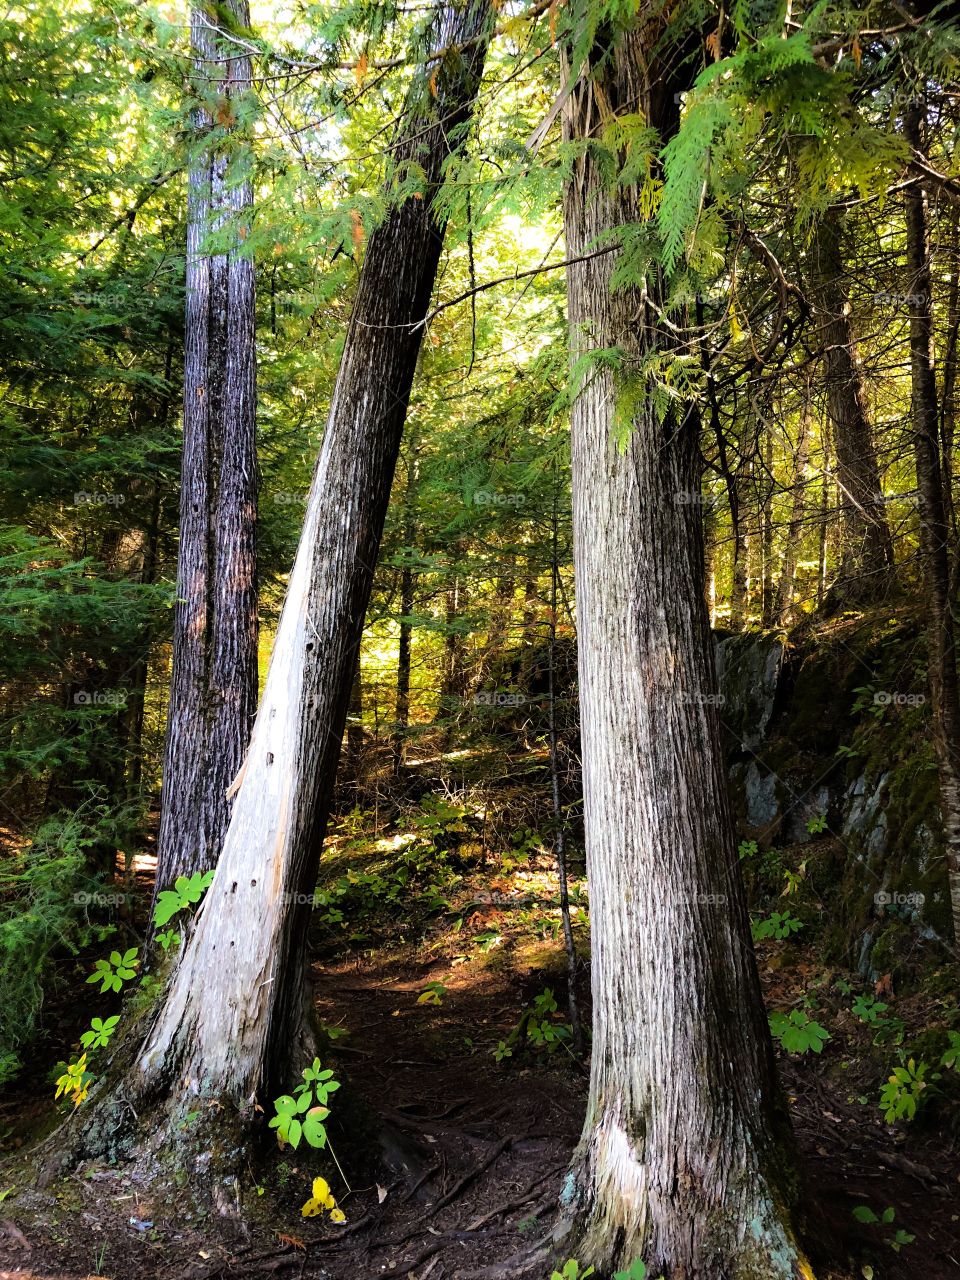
x=484 y=1147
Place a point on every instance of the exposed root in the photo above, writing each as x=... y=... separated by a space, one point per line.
x=530 y=1262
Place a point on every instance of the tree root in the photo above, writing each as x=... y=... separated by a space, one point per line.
x=528 y=1262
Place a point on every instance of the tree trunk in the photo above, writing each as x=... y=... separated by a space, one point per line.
x=767 y=513
x=788 y=570
x=405 y=645
x=454 y=678
x=213 y=689
x=232 y=1021
x=934 y=526
x=866 y=552
x=685 y=1158
x=826 y=491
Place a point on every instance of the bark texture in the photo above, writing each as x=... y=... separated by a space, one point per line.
x=866 y=548
x=230 y=1027
x=213 y=689
x=934 y=523
x=686 y=1156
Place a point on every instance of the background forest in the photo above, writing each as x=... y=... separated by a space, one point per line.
x=803 y=216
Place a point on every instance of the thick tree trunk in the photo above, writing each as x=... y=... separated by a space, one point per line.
x=866 y=569
x=685 y=1158
x=213 y=690
x=934 y=525
x=232 y=1019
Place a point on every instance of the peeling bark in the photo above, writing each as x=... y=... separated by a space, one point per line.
x=232 y=1024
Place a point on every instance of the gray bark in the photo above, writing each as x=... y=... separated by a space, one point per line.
x=232 y=1019
x=685 y=1158
x=213 y=690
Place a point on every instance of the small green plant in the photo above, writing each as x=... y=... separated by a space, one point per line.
x=168 y=938
x=432 y=993
x=637 y=1270
x=781 y=924
x=901 y=1097
x=951 y=1056
x=503 y=1050
x=186 y=892
x=487 y=939
x=302 y=1115
x=748 y=849
x=571 y=1270
x=863 y=1213
x=797 y=1032
x=98 y=1037
x=541 y=1029
x=817 y=824
x=115 y=971
x=868 y=1009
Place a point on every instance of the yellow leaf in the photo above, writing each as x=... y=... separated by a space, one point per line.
x=321 y=1189
x=360 y=70
x=312 y=1208
x=337 y=1215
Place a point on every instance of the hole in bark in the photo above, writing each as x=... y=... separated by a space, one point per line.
x=233 y=887
x=253 y=884
x=269 y=757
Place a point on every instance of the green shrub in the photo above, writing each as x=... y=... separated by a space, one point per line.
x=45 y=899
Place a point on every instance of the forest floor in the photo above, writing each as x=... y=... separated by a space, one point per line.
x=478 y=1145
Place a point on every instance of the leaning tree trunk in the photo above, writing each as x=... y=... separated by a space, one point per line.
x=686 y=1154
x=866 y=568
x=213 y=688
x=232 y=1019
x=934 y=523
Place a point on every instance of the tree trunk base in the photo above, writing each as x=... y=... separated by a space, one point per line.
x=616 y=1210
